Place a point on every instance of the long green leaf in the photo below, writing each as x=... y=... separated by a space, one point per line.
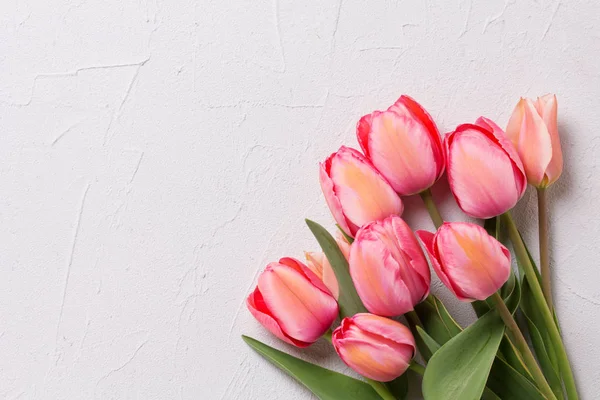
x=348 y=299
x=436 y=319
x=508 y=384
x=460 y=368
x=324 y=383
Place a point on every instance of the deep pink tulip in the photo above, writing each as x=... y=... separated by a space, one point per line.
x=318 y=263
x=388 y=267
x=292 y=303
x=404 y=144
x=485 y=173
x=533 y=130
x=355 y=191
x=471 y=263
x=376 y=347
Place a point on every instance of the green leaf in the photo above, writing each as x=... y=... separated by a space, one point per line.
x=348 y=238
x=436 y=319
x=430 y=342
x=508 y=384
x=399 y=387
x=324 y=383
x=460 y=368
x=348 y=299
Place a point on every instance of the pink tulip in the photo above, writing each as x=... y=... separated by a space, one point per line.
x=292 y=303
x=404 y=144
x=484 y=171
x=376 y=347
x=388 y=267
x=355 y=191
x=471 y=263
x=533 y=130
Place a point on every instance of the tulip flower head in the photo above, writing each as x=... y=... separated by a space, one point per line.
x=533 y=130
x=388 y=267
x=470 y=262
x=404 y=144
x=318 y=263
x=485 y=173
x=355 y=191
x=292 y=303
x=376 y=347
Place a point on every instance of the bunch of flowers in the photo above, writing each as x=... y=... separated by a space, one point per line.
x=377 y=269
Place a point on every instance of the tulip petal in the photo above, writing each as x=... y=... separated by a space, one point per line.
x=400 y=147
x=319 y=264
x=428 y=240
x=377 y=279
x=385 y=327
x=374 y=360
x=480 y=173
x=408 y=104
x=472 y=259
x=258 y=309
x=535 y=145
x=363 y=193
x=285 y=289
x=330 y=197
x=547 y=107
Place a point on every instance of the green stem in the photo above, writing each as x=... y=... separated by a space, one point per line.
x=416 y=367
x=544 y=246
x=327 y=336
x=538 y=296
x=519 y=341
x=433 y=211
x=381 y=389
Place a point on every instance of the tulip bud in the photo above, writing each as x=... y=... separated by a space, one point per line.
x=376 y=347
x=471 y=263
x=355 y=191
x=388 y=267
x=484 y=171
x=404 y=144
x=318 y=263
x=533 y=130
x=292 y=303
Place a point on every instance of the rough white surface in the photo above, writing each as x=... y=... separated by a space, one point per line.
x=157 y=154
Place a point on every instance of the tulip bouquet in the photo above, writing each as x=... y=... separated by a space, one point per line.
x=368 y=291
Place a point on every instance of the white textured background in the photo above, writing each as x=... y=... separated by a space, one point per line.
x=155 y=155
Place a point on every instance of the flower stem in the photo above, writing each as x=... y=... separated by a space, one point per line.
x=433 y=211
x=416 y=367
x=521 y=344
x=381 y=389
x=544 y=246
x=544 y=310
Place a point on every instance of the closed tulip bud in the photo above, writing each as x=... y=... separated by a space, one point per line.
x=533 y=130
x=376 y=347
x=485 y=173
x=318 y=263
x=471 y=263
x=292 y=303
x=388 y=267
x=355 y=191
x=404 y=144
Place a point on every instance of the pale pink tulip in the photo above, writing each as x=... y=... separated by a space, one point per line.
x=533 y=130
x=404 y=144
x=376 y=347
x=292 y=303
x=484 y=171
x=471 y=263
x=388 y=267
x=355 y=191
